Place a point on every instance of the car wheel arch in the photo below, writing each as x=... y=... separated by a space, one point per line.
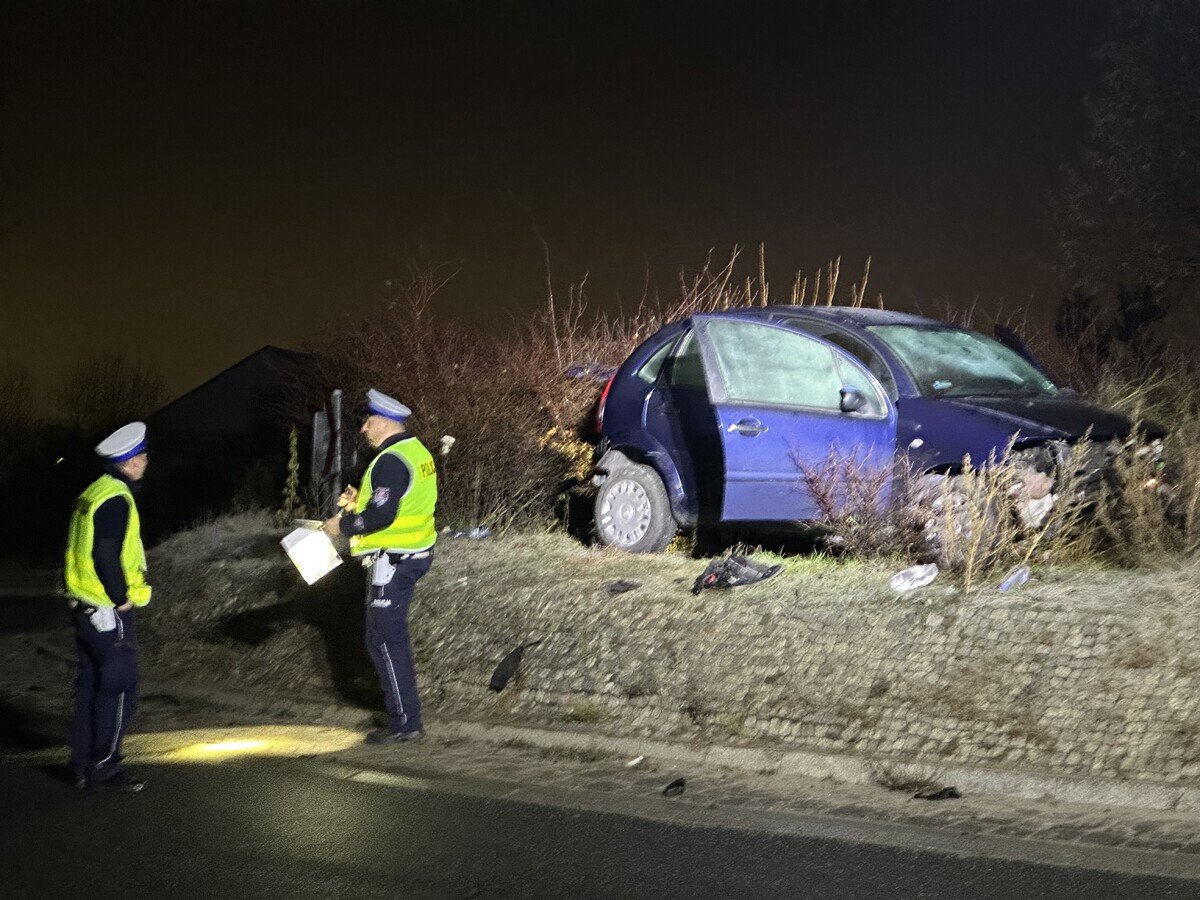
x=616 y=458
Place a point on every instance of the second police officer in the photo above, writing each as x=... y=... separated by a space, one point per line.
x=389 y=521
x=105 y=576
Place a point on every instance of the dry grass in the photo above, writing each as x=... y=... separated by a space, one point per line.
x=1149 y=510
x=976 y=525
x=587 y=712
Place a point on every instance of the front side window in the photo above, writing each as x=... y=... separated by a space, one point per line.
x=954 y=362
x=856 y=348
x=765 y=365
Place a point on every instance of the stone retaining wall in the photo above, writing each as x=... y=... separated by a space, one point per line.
x=1075 y=673
x=1056 y=678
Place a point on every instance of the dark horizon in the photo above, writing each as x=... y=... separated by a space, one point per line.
x=185 y=184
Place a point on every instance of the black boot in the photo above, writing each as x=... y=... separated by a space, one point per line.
x=121 y=782
x=387 y=736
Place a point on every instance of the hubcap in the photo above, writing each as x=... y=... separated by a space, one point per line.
x=625 y=514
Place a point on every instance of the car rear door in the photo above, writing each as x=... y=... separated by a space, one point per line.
x=776 y=393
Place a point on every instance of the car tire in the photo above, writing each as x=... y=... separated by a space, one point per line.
x=633 y=512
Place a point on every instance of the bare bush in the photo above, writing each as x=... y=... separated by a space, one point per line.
x=1150 y=503
x=570 y=339
x=868 y=510
x=15 y=399
x=973 y=521
x=457 y=383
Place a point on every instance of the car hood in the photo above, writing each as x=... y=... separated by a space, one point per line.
x=1053 y=418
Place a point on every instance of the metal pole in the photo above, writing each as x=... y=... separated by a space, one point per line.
x=335 y=405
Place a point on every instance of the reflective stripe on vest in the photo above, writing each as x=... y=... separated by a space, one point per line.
x=413 y=528
x=80 y=570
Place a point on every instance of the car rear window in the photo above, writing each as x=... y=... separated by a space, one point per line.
x=651 y=367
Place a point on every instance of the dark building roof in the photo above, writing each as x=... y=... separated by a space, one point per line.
x=231 y=402
x=223 y=443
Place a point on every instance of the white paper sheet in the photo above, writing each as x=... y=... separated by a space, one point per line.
x=312 y=553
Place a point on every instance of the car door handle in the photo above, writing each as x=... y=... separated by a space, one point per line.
x=748 y=427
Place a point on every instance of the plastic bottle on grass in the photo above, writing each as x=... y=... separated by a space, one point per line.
x=914 y=577
x=1015 y=578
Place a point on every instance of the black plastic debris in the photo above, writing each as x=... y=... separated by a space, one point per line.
x=621 y=585
x=508 y=667
x=733 y=571
x=675 y=788
x=946 y=793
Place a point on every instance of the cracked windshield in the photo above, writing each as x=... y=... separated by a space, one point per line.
x=951 y=362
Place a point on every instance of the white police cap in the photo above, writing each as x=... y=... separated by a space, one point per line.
x=124 y=443
x=381 y=404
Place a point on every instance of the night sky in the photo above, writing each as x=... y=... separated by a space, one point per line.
x=185 y=182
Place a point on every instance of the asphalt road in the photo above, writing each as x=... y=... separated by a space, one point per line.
x=294 y=828
x=19 y=614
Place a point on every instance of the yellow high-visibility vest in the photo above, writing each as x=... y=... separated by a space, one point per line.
x=413 y=528
x=80 y=571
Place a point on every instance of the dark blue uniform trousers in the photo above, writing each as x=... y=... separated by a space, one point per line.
x=106 y=694
x=387 y=639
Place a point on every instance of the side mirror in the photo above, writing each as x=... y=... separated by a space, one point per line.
x=852 y=400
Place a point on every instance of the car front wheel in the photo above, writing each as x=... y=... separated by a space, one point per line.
x=633 y=512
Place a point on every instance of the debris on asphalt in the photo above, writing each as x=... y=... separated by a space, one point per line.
x=635 y=762
x=508 y=667
x=733 y=571
x=448 y=441
x=675 y=788
x=621 y=585
x=913 y=577
x=1015 y=578
x=946 y=793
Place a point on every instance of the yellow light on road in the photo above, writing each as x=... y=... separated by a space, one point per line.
x=213 y=746
x=228 y=747
x=221 y=744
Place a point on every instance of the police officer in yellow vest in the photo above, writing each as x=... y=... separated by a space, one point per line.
x=105 y=576
x=389 y=520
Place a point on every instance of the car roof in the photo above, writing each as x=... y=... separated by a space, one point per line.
x=855 y=315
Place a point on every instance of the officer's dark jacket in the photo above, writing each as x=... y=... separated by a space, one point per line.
x=109 y=523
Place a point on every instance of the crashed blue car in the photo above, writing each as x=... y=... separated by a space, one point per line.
x=712 y=419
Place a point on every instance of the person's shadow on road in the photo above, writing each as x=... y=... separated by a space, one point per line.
x=29 y=731
x=335 y=607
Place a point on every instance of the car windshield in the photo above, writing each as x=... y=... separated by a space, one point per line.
x=954 y=362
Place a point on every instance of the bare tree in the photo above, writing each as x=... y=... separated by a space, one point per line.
x=103 y=392
x=15 y=399
x=1128 y=214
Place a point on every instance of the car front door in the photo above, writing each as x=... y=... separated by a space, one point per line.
x=777 y=396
